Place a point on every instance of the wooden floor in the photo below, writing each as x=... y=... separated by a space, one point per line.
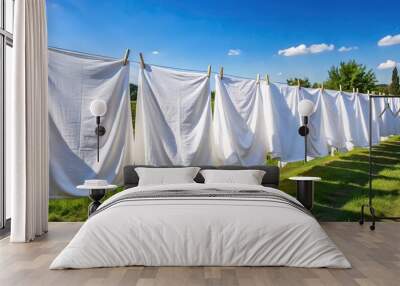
x=375 y=257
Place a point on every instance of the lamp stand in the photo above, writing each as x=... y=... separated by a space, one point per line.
x=100 y=131
x=305 y=138
x=303 y=131
x=305 y=149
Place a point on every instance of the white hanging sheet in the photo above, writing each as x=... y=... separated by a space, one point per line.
x=397 y=114
x=395 y=107
x=376 y=130
x=348 y=118
x=354 y=117
x=386 y=116
x=74 y=81
x=362 y=121
x=331 y=119
x=239 y=132
x=317 y=142
x=362 y=112
x=283 y=121
x=173 y=118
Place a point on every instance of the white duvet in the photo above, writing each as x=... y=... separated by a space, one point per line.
x=188 y=231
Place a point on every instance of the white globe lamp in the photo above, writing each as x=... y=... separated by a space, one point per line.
x=98 y=107
x=306 y=107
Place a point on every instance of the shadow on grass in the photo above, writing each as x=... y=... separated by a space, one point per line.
x=345 y=181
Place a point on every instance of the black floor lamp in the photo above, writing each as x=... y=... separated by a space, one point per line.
x=305 y=109
x=98 y=108
x=369 y=205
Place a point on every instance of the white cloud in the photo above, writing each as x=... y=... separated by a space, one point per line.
x=389 y=64
x=303 y=50
x=319 y=48
x=279 y=74
x=234 y=52
x=294 y=51
x=155 y=52
x=389 y=40
x=347 y=49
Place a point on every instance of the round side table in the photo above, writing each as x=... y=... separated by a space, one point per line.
x=305 y=190
x=96 y=193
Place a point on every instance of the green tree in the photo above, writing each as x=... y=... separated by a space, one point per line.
x=351 y=75
x=394 y=87
x=316 y=85
x=133 y=88
x=304 y=82
x=381 y=88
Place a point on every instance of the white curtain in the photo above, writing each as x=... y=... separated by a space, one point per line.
x=173 y=118
x=74 y=81
x=239 y=132
x=27 y=123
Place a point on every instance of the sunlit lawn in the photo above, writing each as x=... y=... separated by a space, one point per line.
x=338 y=196
x=344 y=185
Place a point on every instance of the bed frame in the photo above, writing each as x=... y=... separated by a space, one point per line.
x=270 y=179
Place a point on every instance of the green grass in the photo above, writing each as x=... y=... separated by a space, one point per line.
x=72 y=209
x=344 y=185
x=338 y=197
x=133 y=111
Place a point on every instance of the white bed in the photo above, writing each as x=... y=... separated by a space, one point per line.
x=140 y=227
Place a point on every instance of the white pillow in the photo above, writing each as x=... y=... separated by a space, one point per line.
x=166 y=176
x=248 y=177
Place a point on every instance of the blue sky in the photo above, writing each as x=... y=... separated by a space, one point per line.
x=245 y=37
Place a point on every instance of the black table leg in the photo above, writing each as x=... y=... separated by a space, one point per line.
x=95 y=195
x=305 y=193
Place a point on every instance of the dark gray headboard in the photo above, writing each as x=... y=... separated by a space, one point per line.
x=271 y=177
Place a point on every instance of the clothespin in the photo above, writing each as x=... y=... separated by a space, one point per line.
x=142 y=65
x=340 y=87
x=209 y=70
x=357 y=90
x=298 y=83
x=322 y=87
x=354 y=90
x=267 y=78
x=221 y=72
x=368 y=92
x=258 y=78
x=126 y=56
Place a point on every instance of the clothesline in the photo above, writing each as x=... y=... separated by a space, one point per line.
x=157 y=65
x=131 y=62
